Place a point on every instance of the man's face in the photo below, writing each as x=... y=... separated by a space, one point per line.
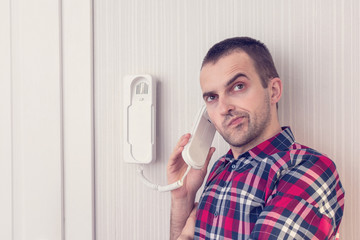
x=237 y=103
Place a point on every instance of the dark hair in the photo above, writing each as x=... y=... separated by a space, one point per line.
x=256 y=50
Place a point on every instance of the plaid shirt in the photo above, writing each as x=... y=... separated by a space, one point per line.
x=277 y=190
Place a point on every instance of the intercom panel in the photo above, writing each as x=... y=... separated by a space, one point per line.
x=139 y=92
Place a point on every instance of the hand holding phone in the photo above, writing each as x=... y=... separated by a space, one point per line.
x=202 y=135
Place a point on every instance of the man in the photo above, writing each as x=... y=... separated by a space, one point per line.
x=267 y=186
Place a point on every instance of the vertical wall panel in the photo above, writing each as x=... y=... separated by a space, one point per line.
x=46 y=123
x=315 y=45
x=78 y=119
x=5 y=124
x=36 y=98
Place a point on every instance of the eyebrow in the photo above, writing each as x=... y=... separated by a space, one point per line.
x=233 y=79
x=228 y=83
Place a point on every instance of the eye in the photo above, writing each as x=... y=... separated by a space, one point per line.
x=210 y=98
x=239 y=86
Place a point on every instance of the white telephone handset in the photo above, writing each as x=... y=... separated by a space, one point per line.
x=202 y=135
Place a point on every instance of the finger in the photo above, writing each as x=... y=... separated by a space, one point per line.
x=180 y=146
x=176 y=154
x=183 y=140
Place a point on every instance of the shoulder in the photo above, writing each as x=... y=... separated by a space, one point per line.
x=300 y=159
x=308 y=161
x=312 y=176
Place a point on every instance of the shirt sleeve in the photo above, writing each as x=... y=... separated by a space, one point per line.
x=307 y=203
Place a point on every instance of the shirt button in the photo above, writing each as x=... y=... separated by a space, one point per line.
x=233 y=166
x=216 y=214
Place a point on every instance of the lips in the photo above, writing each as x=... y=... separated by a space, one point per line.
x=236 y=121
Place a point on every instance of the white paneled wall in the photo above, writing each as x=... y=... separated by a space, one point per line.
x=5 y=123
x=46 y=127
x=36 y=121
x=315 y=45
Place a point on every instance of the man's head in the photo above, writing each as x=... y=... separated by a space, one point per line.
x=242 y=109
x=256 y=50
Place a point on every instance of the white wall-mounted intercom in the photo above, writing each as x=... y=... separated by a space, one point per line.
x=139 y=94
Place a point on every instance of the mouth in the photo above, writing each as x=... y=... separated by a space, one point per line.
x=236 y=121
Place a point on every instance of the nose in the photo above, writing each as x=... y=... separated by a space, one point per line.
x=225 y=106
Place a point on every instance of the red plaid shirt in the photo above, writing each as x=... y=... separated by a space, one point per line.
x=277 y=190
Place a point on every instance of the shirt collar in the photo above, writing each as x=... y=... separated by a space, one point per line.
x=280 y=142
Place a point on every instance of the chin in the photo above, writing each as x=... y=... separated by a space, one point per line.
x=239 y=140
x=236 y=142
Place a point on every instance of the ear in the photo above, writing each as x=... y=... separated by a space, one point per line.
x=275 y=88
